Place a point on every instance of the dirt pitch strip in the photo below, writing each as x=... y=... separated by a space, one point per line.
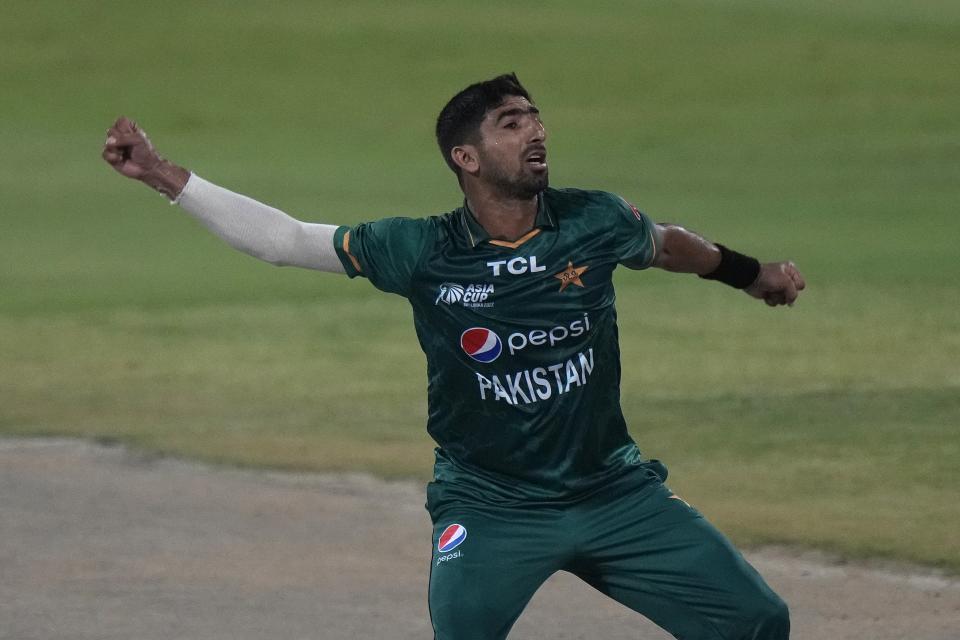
x=104 y=543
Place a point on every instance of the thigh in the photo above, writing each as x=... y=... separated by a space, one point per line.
x=660 y=557
x=486 y=565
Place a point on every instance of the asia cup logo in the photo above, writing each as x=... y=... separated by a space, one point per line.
x=451 y=538
x=481 y=344
x=449 y=293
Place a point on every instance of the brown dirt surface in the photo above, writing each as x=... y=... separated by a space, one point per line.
x=101 y=542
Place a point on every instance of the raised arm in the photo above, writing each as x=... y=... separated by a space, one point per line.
x=683 y=251
x=245 y=224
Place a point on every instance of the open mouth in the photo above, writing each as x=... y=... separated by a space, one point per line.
x=537 y=159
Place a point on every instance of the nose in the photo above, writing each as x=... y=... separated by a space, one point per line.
x=539 y=133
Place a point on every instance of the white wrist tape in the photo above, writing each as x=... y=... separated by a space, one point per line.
x=258 y=229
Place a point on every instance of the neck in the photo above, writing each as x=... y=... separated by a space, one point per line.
x=503 y=218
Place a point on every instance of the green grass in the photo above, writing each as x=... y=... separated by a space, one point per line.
x=828 y=134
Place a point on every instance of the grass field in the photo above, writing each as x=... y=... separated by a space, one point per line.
x=827 y=134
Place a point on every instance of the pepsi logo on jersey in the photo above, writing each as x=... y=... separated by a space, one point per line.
x=481 y=344
x=558 y=333
x=539 y=383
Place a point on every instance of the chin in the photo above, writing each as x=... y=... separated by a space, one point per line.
x=522 y=186
x=531 y=186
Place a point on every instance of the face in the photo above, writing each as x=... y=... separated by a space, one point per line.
x=511 y=154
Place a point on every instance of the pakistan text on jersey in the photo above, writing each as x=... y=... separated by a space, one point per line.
x=540 y=383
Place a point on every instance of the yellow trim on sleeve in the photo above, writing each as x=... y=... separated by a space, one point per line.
x=653 y=241
x=346 y=250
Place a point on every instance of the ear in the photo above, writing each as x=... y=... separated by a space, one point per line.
x=465 y=156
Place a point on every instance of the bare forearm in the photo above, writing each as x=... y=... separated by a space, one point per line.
x=684 y=251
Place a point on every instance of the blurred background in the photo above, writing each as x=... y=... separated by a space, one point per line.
x=826 y=133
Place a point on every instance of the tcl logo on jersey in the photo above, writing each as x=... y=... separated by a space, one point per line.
x=537 y=337
x=481 y=344
x=516 y=266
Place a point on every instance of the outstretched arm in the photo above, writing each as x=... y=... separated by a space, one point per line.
x=683 y=251
x=245 y=224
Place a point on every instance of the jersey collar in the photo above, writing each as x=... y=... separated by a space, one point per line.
x=475 y=234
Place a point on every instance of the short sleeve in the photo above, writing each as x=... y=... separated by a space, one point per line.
x=386 y=251
x=634 y=236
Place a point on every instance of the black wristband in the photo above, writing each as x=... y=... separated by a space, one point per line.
x=735 y=269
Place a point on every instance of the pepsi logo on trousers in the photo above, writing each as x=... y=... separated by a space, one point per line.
x=451 y=538
x=481 y=344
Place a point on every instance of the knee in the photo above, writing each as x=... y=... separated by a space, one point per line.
x=765 y=618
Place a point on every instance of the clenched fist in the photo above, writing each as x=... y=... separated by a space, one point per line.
x=129 y=151
x=778 y=283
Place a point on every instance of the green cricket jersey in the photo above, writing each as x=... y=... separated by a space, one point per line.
x=523 y=361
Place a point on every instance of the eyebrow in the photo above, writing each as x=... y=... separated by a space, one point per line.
x=517 y=111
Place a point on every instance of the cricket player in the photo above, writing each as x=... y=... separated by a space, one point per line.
x=513 y=305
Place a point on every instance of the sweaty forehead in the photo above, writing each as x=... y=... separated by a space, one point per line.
x=510 y=103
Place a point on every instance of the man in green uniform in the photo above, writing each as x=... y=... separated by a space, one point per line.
x=513 y=305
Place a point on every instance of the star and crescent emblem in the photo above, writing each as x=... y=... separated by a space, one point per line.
x=570 y=275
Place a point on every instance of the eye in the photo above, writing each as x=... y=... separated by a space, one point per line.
x=511 y=125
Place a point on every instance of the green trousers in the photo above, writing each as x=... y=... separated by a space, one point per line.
x=633 y=540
